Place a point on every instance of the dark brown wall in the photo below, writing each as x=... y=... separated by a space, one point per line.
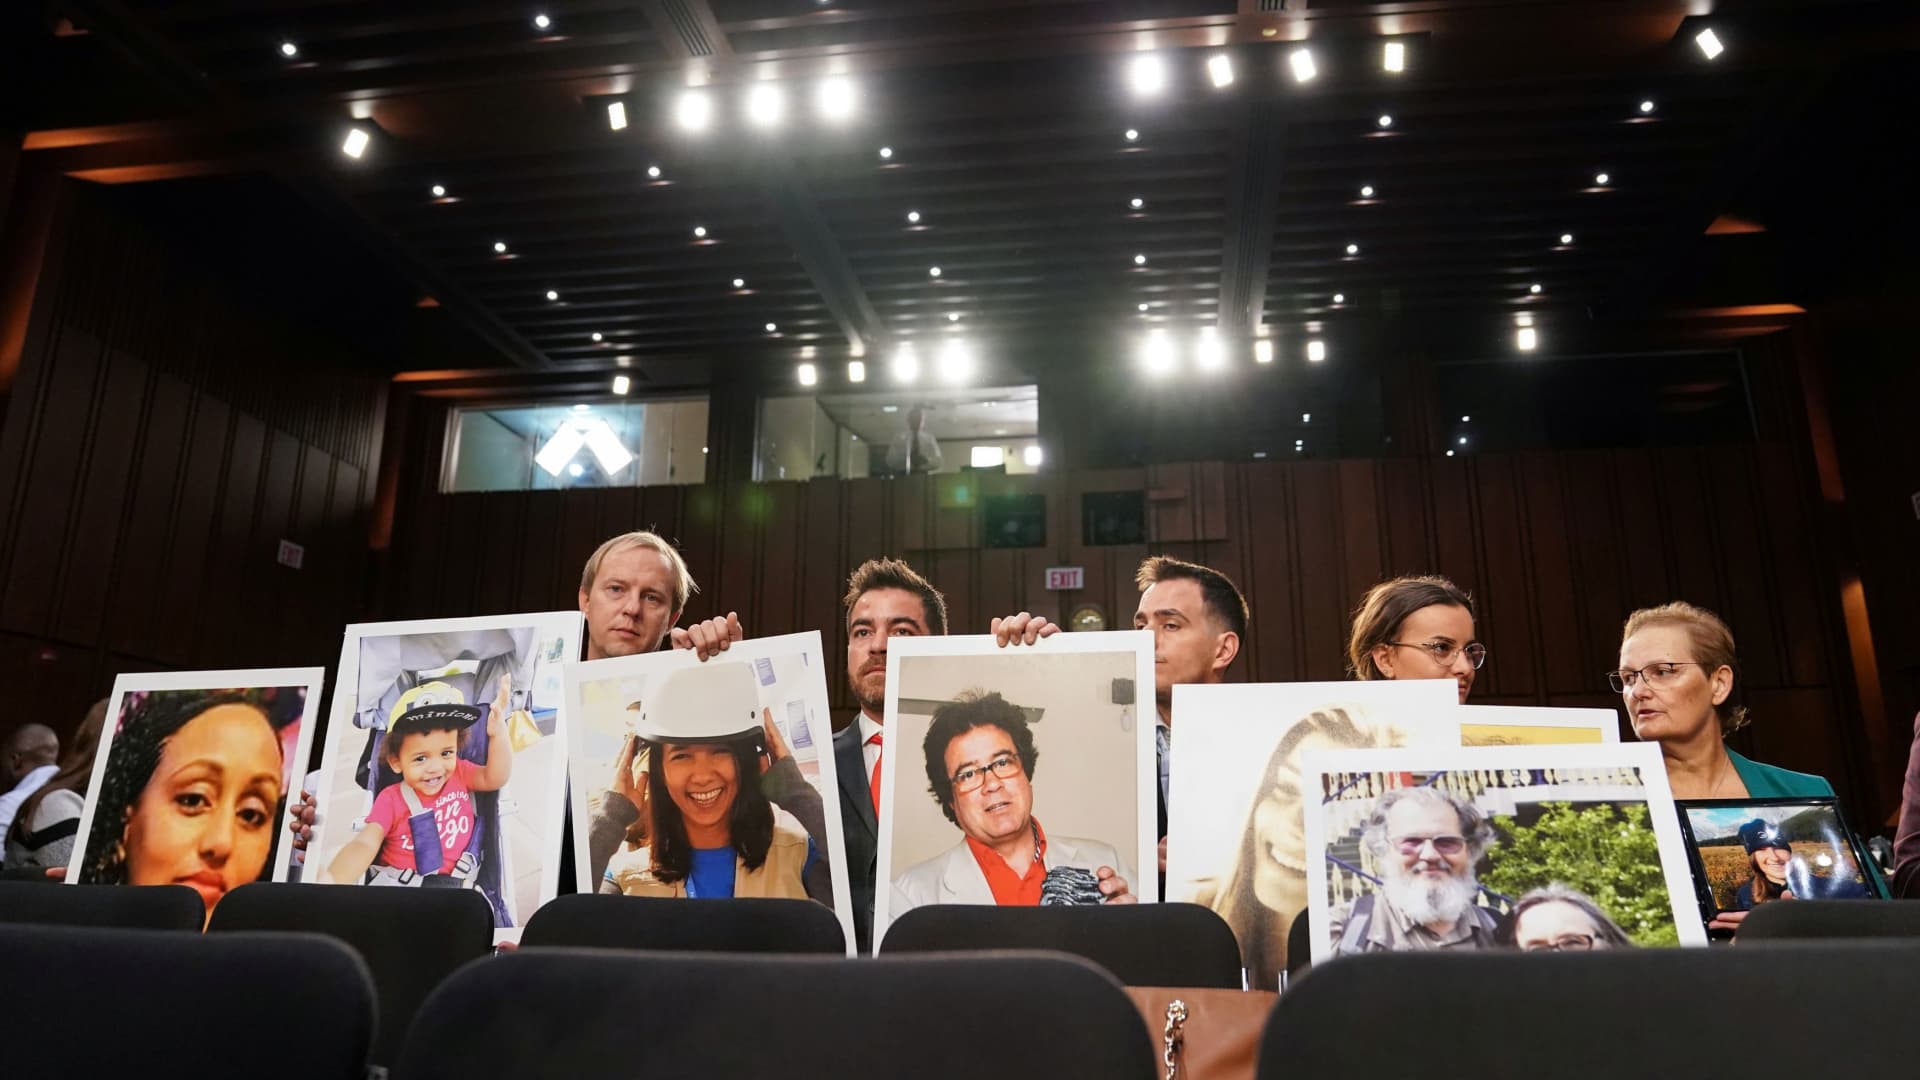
x=1558 y=548
x=162 y=438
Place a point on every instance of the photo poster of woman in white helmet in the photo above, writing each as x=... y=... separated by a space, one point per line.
x=708 y=779
x=445 y=760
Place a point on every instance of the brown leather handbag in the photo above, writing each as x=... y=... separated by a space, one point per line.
x=1205 y=1033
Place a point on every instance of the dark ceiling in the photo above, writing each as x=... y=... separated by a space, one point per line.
x=1007 y=127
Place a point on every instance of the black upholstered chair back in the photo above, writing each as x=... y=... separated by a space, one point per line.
x=585 y=920
x=1141 y=944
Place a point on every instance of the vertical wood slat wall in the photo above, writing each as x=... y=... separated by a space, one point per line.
x=161 y=439
x=1557 y=548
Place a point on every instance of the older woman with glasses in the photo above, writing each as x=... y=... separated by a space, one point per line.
x=1416 y=627
x=1556 y=918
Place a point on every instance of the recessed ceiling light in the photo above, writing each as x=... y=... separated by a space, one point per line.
x=1263 y=351
x=289 y=50
x=1137 y=202
x=1526 y=338
x=1157 y=353
x=1133 y=134
x=653 y=172
x=856 y=371
x=1207 y=354
x=1301 y=60
x=699 y=232
x=1601 y=179
x=1353 y=249
x=541 y=22
x=1147 y=74
x=1366 y=191
x=766 y=105
x=913 y=217
x=1306 y=418
x=1534 y=289
x=439 y=191
x=1393 y=56
x=552 y=295
x=886 y=153
x=1220 y=70
x=956 y=361
x=1339 y=298
x=598 y=336
x=1143 y=308
x=808 y=352
x=953 y=316
x=621 y=384
x=355 y=143
x=1466 y=419
x=576 y=469
x=808 y=374
x=1566 y=239
x=1463 y=440
x=906 y=368
x=499 y=247
x=1646 y=106
x=835 y=99
x=739 y=283
x=1709 y=43
x=1449 y=453
x=772 y=328
x=617 y=116
x=1139 y=260
x=1385 y=120
x=693 y=111
x=1523 y=319
x=933 y=271
x=1316 y=351
x=1033 y=456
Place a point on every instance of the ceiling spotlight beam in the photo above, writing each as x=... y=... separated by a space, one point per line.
x=1253 y=207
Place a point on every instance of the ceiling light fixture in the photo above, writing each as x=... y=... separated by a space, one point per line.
x=1526 y=338
x=1566 y=239
x=653 y=172
x=1143 y=309
x=906 y=363
x=1133 y=134
x=1139 y=260
x=1157 y=353
x=439 y=191
x=1306 y=418
x=953 y=316
x=1601 y=179
x=1393 y=56
x=1147 y=74
x=1220 y=70
x=699 y=232
x=766 y=105
x=886 y=153
x=1353 y=249
x=559 y=451
x=834 y=99
x=1339 y=298
x=1137 y=202
x=1466 y=419
x=693 y=111
x=598 y=337
x=622 y=384
x=856 y=371
x=1646 y=106
x=1207 y=354
x=289 y=50
x=1316 y=351
x=1385 y=121
x=913 y=217
x=1301 y=61
x=355 y=143
x=739 y=283
x=1366 y=191
x=617 y=116
x=499 y=247
x=808 y=374
x=1709 y=43
x=1263 y=351
x=1534 y=289
x=773 y=328
x=1033 y=456
x=552 y=296
x=541 y=22
x=956 y=361
x=933 y=271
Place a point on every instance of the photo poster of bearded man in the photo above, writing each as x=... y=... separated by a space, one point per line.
x=191 y=782
x=708 y=780
x=1526 y=725
x=1018 y=775
x=1236 y=838
x=444 y=760
x=1541 y=848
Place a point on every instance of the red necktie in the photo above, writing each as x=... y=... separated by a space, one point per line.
x=873 y=782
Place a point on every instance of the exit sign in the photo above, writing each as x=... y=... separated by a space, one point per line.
x=1063 y=578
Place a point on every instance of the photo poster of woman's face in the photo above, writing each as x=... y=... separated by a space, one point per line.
x=1750 y=852
x=1236 y=839
x=444 y=761
x=636 y=726
x=192 y=777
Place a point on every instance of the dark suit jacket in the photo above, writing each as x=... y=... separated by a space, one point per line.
x=860 y=827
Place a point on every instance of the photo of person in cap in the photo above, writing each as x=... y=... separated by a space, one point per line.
x=423 y=825
x=724 y=809
x=1770 y=857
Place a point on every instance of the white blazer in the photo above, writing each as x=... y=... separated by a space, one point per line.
x=954 y=876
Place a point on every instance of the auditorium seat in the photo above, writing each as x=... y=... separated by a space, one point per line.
x=92 y=1001
x=1681 y=1013
x=595 y=1012
x=132 y=907
x=1802 y=920
x=411 y=939
x=586 y=920
x=1140 y=944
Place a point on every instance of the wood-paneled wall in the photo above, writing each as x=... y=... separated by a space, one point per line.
x=160 y=441
x=1557 y=548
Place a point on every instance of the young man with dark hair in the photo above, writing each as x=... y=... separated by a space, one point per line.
x=1199 y=620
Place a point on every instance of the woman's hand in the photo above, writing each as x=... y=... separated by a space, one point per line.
x=630 y=775
x=1113 y=887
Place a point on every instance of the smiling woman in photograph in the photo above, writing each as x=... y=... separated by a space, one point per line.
x=193 y=786
x=726 y=812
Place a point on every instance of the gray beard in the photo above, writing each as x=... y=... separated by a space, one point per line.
x=1439 y=902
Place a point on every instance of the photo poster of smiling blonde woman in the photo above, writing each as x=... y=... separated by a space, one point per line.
x=1236 y=834
x=444 y=764
x=192 y=779
x=708 y=779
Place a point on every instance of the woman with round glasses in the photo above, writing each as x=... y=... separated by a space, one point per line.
x=1556 y=918
x=1416 y=627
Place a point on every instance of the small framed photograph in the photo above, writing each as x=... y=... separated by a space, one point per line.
x=708 y=779
x=191 y=781
x=1748 y=852
x=1526 y=725
x=1540 y=848
x=1016 y=775
x=444 y=764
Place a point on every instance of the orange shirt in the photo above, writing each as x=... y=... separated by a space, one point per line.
x=1009 y=888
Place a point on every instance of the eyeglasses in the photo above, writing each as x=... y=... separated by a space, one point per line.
x=1444 y=653
x=1006 y=767
x=1657 y=675
x=1445 y=845
x=1563 y=943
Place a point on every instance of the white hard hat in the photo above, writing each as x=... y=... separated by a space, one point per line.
x=704 y=702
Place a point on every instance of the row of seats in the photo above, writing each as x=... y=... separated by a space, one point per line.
x=411 y=949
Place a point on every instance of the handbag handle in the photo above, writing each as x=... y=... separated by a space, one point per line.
x=1172 y=1036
